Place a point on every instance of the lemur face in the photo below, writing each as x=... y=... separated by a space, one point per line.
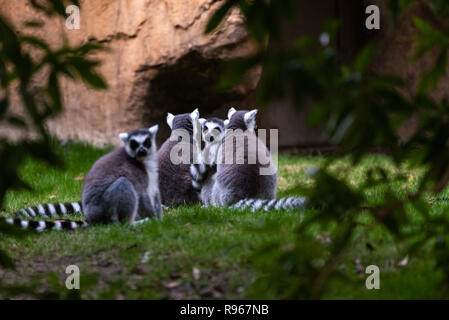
x=212 y=129
x=141 y=143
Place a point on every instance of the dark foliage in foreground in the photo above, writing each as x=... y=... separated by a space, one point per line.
x=360 y=111
x=41 y=100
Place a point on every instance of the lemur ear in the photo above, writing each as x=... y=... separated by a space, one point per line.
x=195 y=114
x=202 y=120
x=154 y=129
x=250 y=119
x=123 y=136
x=231 y=112
x=170 y=118
x=226 y=122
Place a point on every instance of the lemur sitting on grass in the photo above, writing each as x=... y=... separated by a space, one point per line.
x=236 y=178
x=175 y=182
x=122 y=186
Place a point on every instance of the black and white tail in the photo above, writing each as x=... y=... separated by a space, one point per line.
x=40 y=226
x=274 y=204
x=50 y=210
x=47 y=225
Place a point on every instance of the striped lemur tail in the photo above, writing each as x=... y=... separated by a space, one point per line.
x=44 y=225
x=40 y=226
x=273 y=204
x=201 y=172
x=50 y=210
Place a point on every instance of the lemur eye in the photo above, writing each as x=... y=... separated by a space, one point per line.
x=147 y=143
x=218 y=129
x=205 y=129
x=133 y=144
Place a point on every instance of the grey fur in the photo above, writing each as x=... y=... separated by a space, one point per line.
x=122 y=185
x=240 y=186
x=234 y=182
x=175 y=181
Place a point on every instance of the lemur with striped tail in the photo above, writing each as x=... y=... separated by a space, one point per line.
x=238 y=181
x=175 y=183
x=122 y=186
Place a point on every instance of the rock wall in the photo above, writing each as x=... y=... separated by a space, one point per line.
x=158 y=60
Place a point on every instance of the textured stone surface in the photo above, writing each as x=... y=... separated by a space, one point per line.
x=158 y=60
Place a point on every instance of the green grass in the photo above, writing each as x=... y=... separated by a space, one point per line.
x=194 y=252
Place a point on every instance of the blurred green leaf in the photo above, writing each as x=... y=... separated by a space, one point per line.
x=6 y=261
x=433 y=76
x=36 y=42
x=34 y=23
x=363 y=59
x=361 y=110
x=41 y=101
x=12 y=230
x=219 y=15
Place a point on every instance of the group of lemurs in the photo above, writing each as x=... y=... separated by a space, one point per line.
x=133 y=183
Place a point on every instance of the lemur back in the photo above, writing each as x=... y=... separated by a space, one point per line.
x=241 y=185
x=175 y=181
x=238 y=178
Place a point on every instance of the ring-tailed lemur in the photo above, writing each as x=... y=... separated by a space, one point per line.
x=122 y=186
x=241 y=185
x=175 y=181
x=212 y=132
x=207 y=139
